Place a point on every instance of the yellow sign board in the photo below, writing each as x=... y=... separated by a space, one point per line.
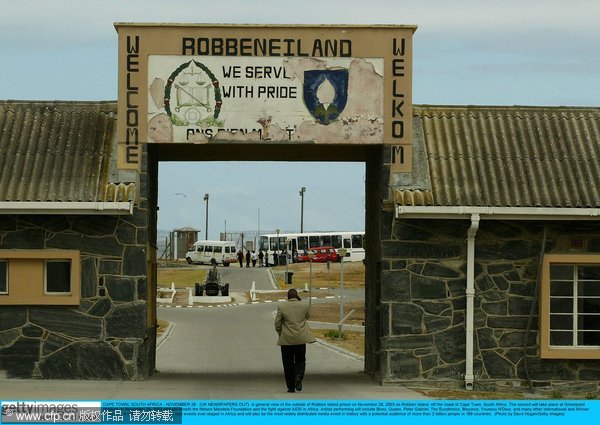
x=181 y=83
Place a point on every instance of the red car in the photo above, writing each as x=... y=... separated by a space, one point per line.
x=323 y=254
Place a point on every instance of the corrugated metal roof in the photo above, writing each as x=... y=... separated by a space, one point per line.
x=511 y=156
x=58 y=151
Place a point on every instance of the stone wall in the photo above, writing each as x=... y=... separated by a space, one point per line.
x=423 y=303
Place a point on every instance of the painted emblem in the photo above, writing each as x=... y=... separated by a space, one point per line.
x=325 y=93
x=193 y=96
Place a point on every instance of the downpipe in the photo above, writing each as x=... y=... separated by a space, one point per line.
x=470 y=295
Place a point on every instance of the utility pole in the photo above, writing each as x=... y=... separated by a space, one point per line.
x=206 y=219
x=302 y=190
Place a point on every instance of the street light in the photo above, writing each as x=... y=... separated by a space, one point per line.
x=342 y=253
x=302 y=190
x=206 y=219
x=311 y=255
x=287 y=256
x=276 y=255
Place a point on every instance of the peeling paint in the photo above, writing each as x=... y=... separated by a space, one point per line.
x=266 y=99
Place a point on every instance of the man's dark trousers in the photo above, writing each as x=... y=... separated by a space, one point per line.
x=294 y=364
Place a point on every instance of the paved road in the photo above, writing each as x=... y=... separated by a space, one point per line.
x=236 y=339
x=230 y=352
x=240 y=279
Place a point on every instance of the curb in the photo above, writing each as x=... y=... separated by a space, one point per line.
x=340 y=350
x=238 y=304
x=165 y=335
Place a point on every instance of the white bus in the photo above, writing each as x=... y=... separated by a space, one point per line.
x=212 y=252
x=300 y=242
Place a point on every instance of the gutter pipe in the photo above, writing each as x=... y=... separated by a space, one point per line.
x=470 y=293
x=71 y=208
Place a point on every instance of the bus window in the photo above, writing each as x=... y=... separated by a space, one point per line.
x=326 y=240
x=273 y=244
x=200 y=248
x=263 y=243
x=357 y=241
x=347 y=243
x=208 y=249
x=218 y=249
x=336 y=241
x=302 y=243
x=282 y=246
x=314 y=241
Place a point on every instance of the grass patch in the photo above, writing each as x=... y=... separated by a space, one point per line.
x=332 y=333
x=351 y=341
x=182 y=277
x=323 y=276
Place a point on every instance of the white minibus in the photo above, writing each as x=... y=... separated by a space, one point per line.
x=212 y=252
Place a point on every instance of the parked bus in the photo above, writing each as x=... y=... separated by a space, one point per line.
x=301 y=242
x=212 y=252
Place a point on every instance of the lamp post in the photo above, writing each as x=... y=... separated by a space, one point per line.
x=302 y=190
x=275 y=255
x=206 y=219
x=287 y=257
x=342 y=253
x=311 y=255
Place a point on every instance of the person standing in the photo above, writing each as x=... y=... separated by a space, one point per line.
x=261 y=258
x=291 y=324
x=253 y=256
x=247 y=258
x=240 y=258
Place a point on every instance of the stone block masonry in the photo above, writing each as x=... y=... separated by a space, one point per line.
x=423 y=303
x=105 y=336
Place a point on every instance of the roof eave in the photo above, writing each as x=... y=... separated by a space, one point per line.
x=497 y=213
x=70 y=208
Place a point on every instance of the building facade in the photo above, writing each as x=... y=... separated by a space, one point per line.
x=482 y=264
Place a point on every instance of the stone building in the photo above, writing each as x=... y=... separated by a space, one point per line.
x=482 y=264
x=62 y=200
x=491 y=256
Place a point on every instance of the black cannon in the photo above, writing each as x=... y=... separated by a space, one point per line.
x=212 y=285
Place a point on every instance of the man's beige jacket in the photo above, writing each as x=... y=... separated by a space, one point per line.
x=291 y=323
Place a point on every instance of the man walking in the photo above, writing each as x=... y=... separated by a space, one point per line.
x=291 y=324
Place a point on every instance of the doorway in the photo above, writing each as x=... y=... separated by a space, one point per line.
x=317 y=157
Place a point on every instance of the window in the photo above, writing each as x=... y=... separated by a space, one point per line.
x=58 y=277
x=218 y=249
x=570 y=306
x=336 y=241
x=40 y=277
x=314 y=241
x=3 y=277
x=302 y=243
x=357 y=241
x=200 y=248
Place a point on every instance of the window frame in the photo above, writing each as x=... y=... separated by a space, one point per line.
x=6 y=292
x=27 y=271
x=547 y=350
x=55 y=293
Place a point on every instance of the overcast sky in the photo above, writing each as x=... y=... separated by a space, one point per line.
x=525 y=52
